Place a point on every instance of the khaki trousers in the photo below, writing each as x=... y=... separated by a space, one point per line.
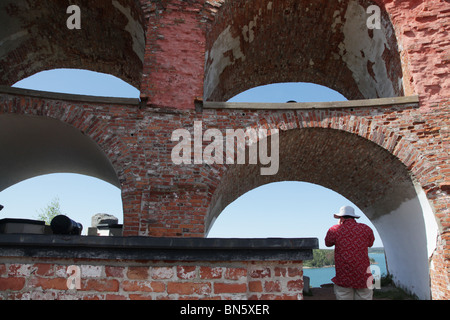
x=352 y=294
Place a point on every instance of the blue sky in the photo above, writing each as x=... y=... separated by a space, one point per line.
x=284 y=209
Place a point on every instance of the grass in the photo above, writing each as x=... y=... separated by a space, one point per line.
x=389 y=291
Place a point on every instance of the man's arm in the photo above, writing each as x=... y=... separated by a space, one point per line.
x=330 y=238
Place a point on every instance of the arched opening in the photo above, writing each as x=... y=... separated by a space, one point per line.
x=288 y=91
x=78 y=81
x=368 y=176
x=40 y=141
x=262 y=42
x=80 y=197
x=53 y=159
x=43 y=158
x=361 y=171
x=35 y=37
x=283 y=209
x=291 y=209
x=34 y=145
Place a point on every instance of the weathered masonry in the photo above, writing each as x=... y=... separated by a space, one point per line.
x=142 y=268
x=187 y=59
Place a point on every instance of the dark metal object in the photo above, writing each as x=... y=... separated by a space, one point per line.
x=64 y=225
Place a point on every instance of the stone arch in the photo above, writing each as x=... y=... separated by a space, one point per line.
x=45 y=136
x=262 y=42
x=364 y=163
x=42 y=145
x=330 y=44
x=35 y=37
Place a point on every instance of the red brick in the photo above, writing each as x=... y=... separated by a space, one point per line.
x=12 y=283
x=295 y=285
x=101 y=285
x=255 y=286
x=143 y=286
x=280 y=271
x=137 y=273
x=44 y=269
x=272 y=286
x=187 y=288
x=114 y=272
x=210 y=272
x=220 y=287
x=186 y=272
x=49 y=283
x=294 y=272
x=139 y=297
x=93 y=297
x=280 y=297
x=115 y=297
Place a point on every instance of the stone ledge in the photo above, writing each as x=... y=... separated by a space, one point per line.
x=68 y=96
x=149 y=248
x=380 y=102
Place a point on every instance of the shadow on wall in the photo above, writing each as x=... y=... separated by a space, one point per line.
x=40 y=145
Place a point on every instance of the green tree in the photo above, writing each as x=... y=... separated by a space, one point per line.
x=52 y=210
x=322 y=258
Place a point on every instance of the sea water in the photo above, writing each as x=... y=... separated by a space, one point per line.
x=319 y=276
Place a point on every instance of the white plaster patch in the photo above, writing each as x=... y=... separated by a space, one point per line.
x=337 y=20
x=91 y=271
x=248 y=32
x=187 y=275
x=61 y=272
x=22 y=270
x=225 y=42
x=162 y=272
x=358 y=48
x=135 y=29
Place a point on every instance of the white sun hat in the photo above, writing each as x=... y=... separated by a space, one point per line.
x=346 y=211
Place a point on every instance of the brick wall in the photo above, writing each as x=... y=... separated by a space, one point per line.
x=43 y=279
x=162 y=199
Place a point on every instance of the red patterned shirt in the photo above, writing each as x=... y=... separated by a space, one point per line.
x=351 y=240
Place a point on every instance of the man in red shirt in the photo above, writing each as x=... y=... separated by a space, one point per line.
x=353 y=280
